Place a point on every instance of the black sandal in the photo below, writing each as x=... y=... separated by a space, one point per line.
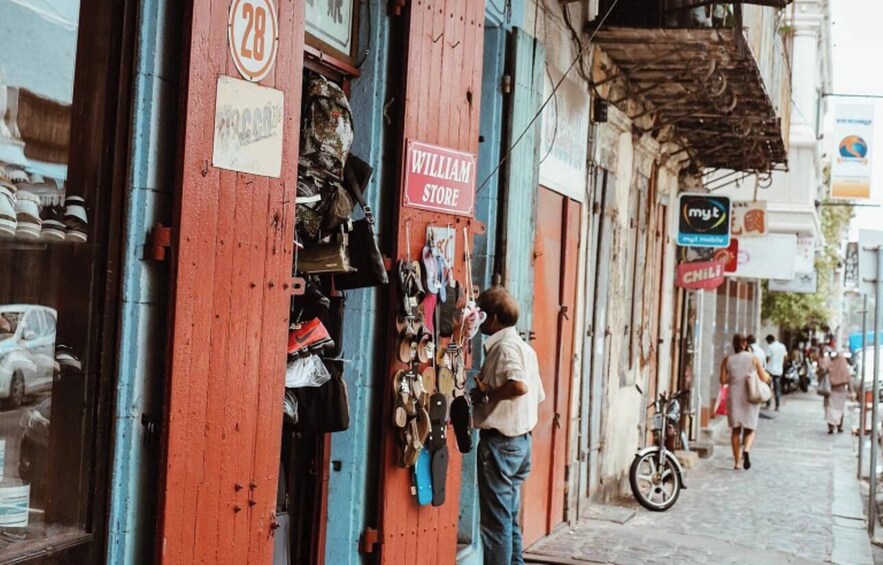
x=746 y=460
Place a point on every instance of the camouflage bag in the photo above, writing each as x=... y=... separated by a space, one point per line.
x=327 y=129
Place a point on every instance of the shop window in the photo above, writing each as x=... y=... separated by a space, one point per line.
x=332 y=33
x=55 y=216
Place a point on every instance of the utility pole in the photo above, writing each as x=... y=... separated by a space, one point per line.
x=861 y=398
x=878 y=313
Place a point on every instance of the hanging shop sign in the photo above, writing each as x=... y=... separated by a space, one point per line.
x=439 y=179
x=851 y=166
x=253 y=37
x=802 y=283
x=850 y=267
x=703 y=275
x=248 y=128
x=805 y=258
x=768 y=257
x=729 y=256
x=748 y=219
x=565 y=129
x=331 y=23
x=703 y=221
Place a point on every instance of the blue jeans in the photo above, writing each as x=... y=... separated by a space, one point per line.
x=503 y=465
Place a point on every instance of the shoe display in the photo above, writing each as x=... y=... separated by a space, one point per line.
x=18 y=177
x=53 y=224
x=27 y=212
x=8 y=220
x=309 y=336
x=75 y=220
x=67 y=359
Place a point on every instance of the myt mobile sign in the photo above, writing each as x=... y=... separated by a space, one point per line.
x=439 y=179
x=703 y=221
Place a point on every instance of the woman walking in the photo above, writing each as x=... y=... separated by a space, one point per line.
x=841 y=386
x=741 y=414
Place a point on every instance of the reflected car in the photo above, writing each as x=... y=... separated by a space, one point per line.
x=27 y=351
x=35 y=447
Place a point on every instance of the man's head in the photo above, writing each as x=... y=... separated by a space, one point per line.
x=770 y=338
x=751 y=339
x=500 y=307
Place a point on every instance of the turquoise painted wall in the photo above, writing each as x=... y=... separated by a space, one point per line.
x=143 y=315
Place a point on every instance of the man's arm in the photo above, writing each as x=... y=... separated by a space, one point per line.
x=510 y=389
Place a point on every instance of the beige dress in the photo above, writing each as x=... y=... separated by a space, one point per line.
x=740 y=412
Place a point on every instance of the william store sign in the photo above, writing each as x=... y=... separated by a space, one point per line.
x=702 y=275
x=439 y=179
x=703 y=221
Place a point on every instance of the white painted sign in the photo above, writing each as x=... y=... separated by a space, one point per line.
x=564 y=137
x=805 y=259
x=851 y=165
x=748 y=219
x=868 y=242
x=248 y=128
x=331 y=21
x=14 y=503
x=253 y=37
x=768 y=257
x=802 y=283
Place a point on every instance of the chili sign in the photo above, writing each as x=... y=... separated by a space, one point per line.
x=703 y=275
x=439 y=179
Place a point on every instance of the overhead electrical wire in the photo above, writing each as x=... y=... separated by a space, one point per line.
x=545 y=103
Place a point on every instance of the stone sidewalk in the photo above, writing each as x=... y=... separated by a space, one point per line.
x=799 y=503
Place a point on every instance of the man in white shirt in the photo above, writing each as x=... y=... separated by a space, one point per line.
x=506 y=406
x=776 y=353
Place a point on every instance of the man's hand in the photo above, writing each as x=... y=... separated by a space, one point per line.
x=479 y=394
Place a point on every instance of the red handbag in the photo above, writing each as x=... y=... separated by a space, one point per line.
x=721 y=409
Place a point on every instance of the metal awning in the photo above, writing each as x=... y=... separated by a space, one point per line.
x=706 y=85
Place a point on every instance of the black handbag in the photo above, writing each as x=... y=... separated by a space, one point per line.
x=324 y=409
x=364 y=255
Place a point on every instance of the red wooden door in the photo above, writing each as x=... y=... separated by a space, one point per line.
x=442 y=90
x=555 y=252
x=233 y=251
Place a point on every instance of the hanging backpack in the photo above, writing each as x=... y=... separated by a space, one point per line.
x=327 y=128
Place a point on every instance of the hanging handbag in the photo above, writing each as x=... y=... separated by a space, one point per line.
x=324 y=409
x=824 y=388
x=364 y=255
x=758 y=391
x=325 y=257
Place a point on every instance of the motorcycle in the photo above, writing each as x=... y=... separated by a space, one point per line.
x=791 y=378
x=656 y=476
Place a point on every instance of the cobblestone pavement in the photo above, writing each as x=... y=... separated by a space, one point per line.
x=799 y=503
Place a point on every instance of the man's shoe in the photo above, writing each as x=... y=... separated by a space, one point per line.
x=27 y=212
x=309 y=336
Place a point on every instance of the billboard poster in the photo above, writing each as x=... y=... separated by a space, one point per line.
x=851 y=165
x=749 y=219
x=768 y=257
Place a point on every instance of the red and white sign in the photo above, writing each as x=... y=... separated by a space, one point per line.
x=729 y=256
x=703 y=275
x=439 y=179
x=253 y=37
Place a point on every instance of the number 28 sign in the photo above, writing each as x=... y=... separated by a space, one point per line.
x=253 y=37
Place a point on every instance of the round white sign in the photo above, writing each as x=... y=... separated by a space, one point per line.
x=253 y=37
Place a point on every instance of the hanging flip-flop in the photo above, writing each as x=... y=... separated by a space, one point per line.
x=445 y=382
x=400 y=400
x=461 y=420
x=430 y=270
x=429 y=379
x=439 y=466
x=423 y=478
x=425 y=348
x=438 y=412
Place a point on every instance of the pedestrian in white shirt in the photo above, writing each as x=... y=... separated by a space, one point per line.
x=757 y=350
x=505 y=410
x=776 y=355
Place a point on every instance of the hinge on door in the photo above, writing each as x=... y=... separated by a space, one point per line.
x=506 y=84
x=370 y=538
x=566 y=474
x=158 y=241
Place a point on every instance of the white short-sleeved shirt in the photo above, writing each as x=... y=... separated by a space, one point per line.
x=508 y=357
x=777 y=354
x=760 y=354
